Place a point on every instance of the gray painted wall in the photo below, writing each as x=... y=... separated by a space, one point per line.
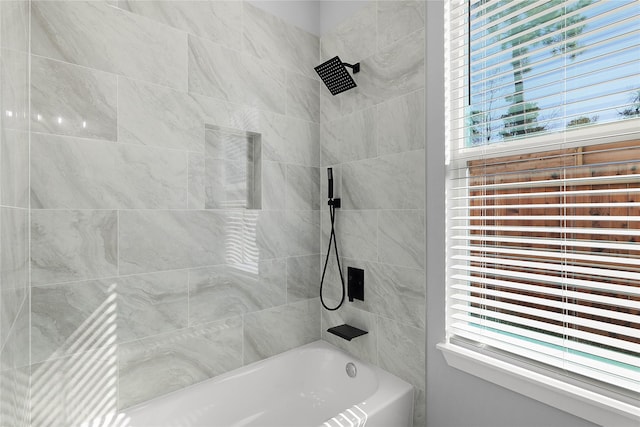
x=454 y=398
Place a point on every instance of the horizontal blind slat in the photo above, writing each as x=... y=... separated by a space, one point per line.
x=577 y=308
x=565 y=281
x=560 y=243
x=548 y=254
x=553 y=291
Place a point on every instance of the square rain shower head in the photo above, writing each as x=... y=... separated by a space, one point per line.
x=334 y=74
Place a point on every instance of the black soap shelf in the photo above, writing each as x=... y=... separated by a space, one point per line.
x=346 y=332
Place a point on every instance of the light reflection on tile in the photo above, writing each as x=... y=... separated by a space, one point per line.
x=71 y=100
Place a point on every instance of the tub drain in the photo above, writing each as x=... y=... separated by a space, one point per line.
x=351 y=369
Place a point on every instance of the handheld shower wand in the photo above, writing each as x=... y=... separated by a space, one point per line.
x=333 y=204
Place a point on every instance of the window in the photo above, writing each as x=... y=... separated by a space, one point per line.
x=543 y=197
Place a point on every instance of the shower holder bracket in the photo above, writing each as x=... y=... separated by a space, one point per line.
x=355 y=67
x=347 y=332
x=334 y=202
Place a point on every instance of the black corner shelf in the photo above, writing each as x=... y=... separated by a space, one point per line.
x=347 y=332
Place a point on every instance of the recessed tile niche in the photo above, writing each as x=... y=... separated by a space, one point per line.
x=232 y=169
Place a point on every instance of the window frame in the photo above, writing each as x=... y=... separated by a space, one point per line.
x=583 y=400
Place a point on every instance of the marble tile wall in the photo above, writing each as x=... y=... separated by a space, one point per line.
x=14 y=204
x=145 y=278
x=373 y=136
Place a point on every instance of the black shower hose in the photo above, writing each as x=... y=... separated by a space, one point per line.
x=332 y=237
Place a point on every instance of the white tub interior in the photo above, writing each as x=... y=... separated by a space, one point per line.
x=307 y=386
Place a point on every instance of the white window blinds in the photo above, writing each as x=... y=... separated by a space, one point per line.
x=543 y=133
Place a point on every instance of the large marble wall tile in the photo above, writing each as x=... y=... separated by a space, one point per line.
x=14 y=86
x=393 y=292
x=353 y=137
x=302 y=232
x=273 y=185
x=289 y=140
x=303 y=188
x=357 y=233
x=14 y=266
x=196 y=194
x=79 y=387
x=269 y=37
x=72 y=318
x=11 y=300
x=14 y=373
x=397 y=19
x=154 y=115
x=330 y=148
x=354 y=39
x=219 y=21
x=229 y=75
x=150 y=304
x=14 y=25
x=400 y=124
x=14 y=249
x=71 y=100
x=230 y=290
x=76 y=317
x=393 y=71
x=330 y=105
x=99 y=36
x=401 y=236
x=303 y=277
x=389 y=182
x=170 y=240
x=71 y=173
x=272 y=234
x=401 y=351
x=273 y=331
x=303 y=97
x=364 y=347
x=164 y=363
x=73 y=245
x=14 y=169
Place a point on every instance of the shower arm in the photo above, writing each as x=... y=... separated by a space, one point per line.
x=355 y=67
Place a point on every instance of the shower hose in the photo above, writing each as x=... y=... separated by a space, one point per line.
x=332 y=238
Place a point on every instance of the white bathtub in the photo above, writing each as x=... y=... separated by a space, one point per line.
x=306 y=386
